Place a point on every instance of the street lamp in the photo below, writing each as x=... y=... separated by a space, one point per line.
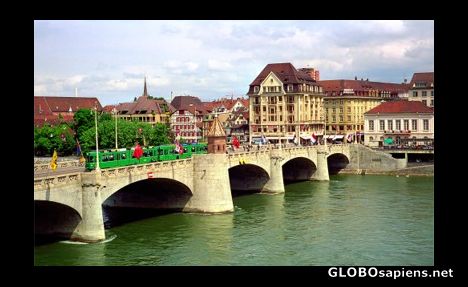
x=114 y=110
x=97 y=147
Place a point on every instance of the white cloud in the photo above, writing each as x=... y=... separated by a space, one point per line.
x=109 y=59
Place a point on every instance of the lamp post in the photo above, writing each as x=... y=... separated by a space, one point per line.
x=98 y=169
x=115 y=116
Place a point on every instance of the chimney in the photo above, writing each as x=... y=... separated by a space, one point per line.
x=355 y=78
x=406 y=80
x=367 y=80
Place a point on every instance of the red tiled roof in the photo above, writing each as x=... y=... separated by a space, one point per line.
x=427 y=78
x=286 y=72
x=108 y=108
x=63 y=104
x=394 y=107
x=183 y=103
x=358 y=85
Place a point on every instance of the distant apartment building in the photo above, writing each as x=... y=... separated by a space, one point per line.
x=346 y=101
x=399 y=123
x=285 y=104
x=421 y=88
x=53 y=110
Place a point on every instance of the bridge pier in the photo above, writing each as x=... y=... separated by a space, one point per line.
x=211 y=187
x=91 y=227
x=275 y=184
x=322 y=166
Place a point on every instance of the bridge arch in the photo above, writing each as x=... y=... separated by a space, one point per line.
x=298 y=169
x=148 y=193
x=54 y=221
x=337 y=162
x=247 y=178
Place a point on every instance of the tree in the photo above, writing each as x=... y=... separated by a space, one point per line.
x=60 y=137
x=127 y=134
x=83 y=120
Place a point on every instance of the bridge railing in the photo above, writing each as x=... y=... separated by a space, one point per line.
x=146 y=167
x=60 y=164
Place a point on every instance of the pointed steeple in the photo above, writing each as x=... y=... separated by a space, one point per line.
x=145 y=91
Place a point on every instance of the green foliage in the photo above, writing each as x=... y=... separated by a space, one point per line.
x=48 y=138
x=105 y=117
x=83 y=120
x=127 y=135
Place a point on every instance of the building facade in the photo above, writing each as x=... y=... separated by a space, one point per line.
x=145 y=109
x=346 y=101
x=53 y=110
x=421 y=88
x=285 y=104
x=399 y=123
x=187 y=119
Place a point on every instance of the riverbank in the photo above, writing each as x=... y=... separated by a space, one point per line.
x=420 y=170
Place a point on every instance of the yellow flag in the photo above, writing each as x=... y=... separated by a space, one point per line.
x=53 y=162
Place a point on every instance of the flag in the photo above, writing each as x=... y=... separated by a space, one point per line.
x=235 y=142
x=53 y=162
x=138 y=151
x=313 y=139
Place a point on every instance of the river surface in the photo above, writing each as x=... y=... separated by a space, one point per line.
x=350 y=220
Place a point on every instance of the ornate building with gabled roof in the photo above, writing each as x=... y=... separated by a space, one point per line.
x=216 y=138
x=285 y=103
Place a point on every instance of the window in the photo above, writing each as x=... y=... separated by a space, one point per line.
x=341 y=118
x=415 y=94
x=390 y=124
x=424 y=102
x=414 y=125
x=290 y=88
x=280 y=98
x=426 y=125
x=398 y=124
x=432 y=93
x=272 y=110
x=371 y=125
x=264 y=109
x=424 y=94
x=333 y=118
x=432 y=103
x=406 y=124
x=382 y=125
x=256 y=89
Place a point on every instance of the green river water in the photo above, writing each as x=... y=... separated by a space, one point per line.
x=350 y=220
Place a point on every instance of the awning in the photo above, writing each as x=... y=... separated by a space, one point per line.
x=337 y=137
x=290 y=137
x=306 y=137
x=388 y=141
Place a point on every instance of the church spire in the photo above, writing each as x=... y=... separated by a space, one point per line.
x=145 y=91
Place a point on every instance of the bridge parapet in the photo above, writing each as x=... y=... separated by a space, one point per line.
x=61 y=164
x=56 y=180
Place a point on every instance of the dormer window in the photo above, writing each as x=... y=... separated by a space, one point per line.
x=256 y=89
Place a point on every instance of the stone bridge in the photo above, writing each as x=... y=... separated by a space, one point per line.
x=70 y=205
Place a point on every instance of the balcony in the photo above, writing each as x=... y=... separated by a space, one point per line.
x=396 y=132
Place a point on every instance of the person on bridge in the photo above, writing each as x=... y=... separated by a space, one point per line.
x=138 y=151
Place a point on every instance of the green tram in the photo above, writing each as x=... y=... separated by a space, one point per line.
x=124 y=157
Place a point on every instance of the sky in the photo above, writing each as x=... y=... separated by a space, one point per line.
x=215 y=59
